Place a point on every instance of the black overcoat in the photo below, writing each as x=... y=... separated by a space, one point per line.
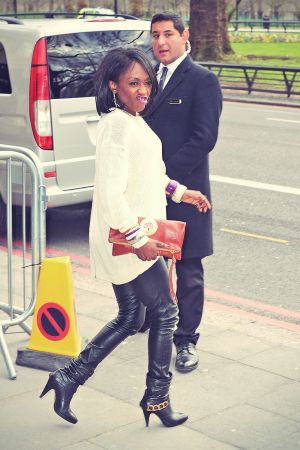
x=186 y=118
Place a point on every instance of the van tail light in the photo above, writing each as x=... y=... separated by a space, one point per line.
x=50 y=174
x=39 y=97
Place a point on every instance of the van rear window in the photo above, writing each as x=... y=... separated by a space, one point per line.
x=5 y=86
x=74 y=58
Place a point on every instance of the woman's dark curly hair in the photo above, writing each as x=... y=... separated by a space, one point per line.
x=115 y=63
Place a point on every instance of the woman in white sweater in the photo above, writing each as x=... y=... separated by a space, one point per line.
x=130 y=182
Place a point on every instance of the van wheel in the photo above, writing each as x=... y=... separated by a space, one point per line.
x=2 y=216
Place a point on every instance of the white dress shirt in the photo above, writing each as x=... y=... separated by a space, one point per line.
x=171 y=68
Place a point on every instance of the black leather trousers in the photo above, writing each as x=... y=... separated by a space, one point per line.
x=151 y=290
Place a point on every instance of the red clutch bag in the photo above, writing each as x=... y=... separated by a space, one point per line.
x=169 y=232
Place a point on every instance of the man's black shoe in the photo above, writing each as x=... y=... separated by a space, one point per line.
x=187 y=358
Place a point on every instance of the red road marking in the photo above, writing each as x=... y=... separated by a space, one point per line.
x=208 y=292
x=74 y=257
x=15 y=252
x=81 y=270
x=252 y=303
x=57 y=252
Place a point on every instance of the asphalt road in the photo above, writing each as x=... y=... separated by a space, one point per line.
x=257 y=144
x=256 y=196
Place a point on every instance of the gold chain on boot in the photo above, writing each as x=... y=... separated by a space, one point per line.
x=157 y=407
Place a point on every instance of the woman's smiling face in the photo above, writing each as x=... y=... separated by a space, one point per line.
x=133 y=88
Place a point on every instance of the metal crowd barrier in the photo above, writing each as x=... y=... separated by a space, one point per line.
x=22 y=257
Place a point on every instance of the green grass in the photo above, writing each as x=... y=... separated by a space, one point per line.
x=263 y=49
x=266 y=49
x=267 y=54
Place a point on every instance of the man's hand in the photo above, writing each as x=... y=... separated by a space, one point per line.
x=197 y=199
x=150 y=250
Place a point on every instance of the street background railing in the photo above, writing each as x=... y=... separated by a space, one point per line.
x=18 y=292
x=273 y=25
x=249 y=78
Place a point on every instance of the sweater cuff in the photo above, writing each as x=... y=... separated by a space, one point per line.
x=141 y=242
x=177 y=196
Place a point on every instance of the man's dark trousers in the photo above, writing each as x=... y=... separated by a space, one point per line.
x=185 y=116
x=190 y=294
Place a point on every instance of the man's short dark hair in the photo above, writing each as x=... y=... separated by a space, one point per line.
x=169 y=16
x=115 y=63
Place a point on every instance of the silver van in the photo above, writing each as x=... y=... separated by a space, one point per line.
x=47 y=69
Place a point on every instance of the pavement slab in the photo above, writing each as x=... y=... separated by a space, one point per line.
x=230 y=342
x=83 y=445
x=245 y=393
x=38 y=427
x=291 y=442
x=281 y=360
x=247 y=427
x=284 y=400
x=134 y=437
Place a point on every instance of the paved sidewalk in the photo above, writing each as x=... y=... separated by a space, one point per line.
x=244 y=395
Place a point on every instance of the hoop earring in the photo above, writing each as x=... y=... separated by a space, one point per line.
x=115 y=99
x=188 y=47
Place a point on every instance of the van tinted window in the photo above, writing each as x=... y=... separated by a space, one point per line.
x=5 y=86
x=74 y=58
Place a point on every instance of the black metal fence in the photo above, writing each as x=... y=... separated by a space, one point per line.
x=266 y=24
x=273 y=80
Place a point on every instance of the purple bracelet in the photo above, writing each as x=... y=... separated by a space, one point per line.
x=131 y=232
x=171 y=188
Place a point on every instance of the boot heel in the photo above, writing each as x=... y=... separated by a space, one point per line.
x=47 y=388
x=64 y=388
x=146 y=415
x=164 y=412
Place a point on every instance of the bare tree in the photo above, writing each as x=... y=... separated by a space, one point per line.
x=208 y=31
x=296 y=4
x=149 y=8
x=137 y=8
x=8 y=6
x=226 y=46
x=274 y=7
x=232 y=9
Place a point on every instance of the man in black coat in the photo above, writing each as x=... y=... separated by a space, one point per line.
x=185 y=115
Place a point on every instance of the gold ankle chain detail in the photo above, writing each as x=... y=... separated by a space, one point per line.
x=157 y=407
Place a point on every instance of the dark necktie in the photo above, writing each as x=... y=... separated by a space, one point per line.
x=162 y=79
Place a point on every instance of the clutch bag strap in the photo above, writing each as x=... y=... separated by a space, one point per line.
x=171 y=286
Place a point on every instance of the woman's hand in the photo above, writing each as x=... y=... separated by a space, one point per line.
x=150 y=250
x=197 y=199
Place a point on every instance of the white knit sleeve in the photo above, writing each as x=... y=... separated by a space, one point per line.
x=112 y=174
x=179 y=191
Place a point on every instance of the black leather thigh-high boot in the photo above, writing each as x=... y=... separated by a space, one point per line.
x=65 y=381
x=152 y=288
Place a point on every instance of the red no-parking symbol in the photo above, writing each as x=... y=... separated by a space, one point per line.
x=53 y=321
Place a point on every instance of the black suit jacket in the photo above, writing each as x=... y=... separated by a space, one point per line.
x=186 y=118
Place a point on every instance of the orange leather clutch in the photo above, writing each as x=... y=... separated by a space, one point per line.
x=170 y=232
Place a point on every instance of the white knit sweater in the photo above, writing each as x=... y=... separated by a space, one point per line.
x=130 y=182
